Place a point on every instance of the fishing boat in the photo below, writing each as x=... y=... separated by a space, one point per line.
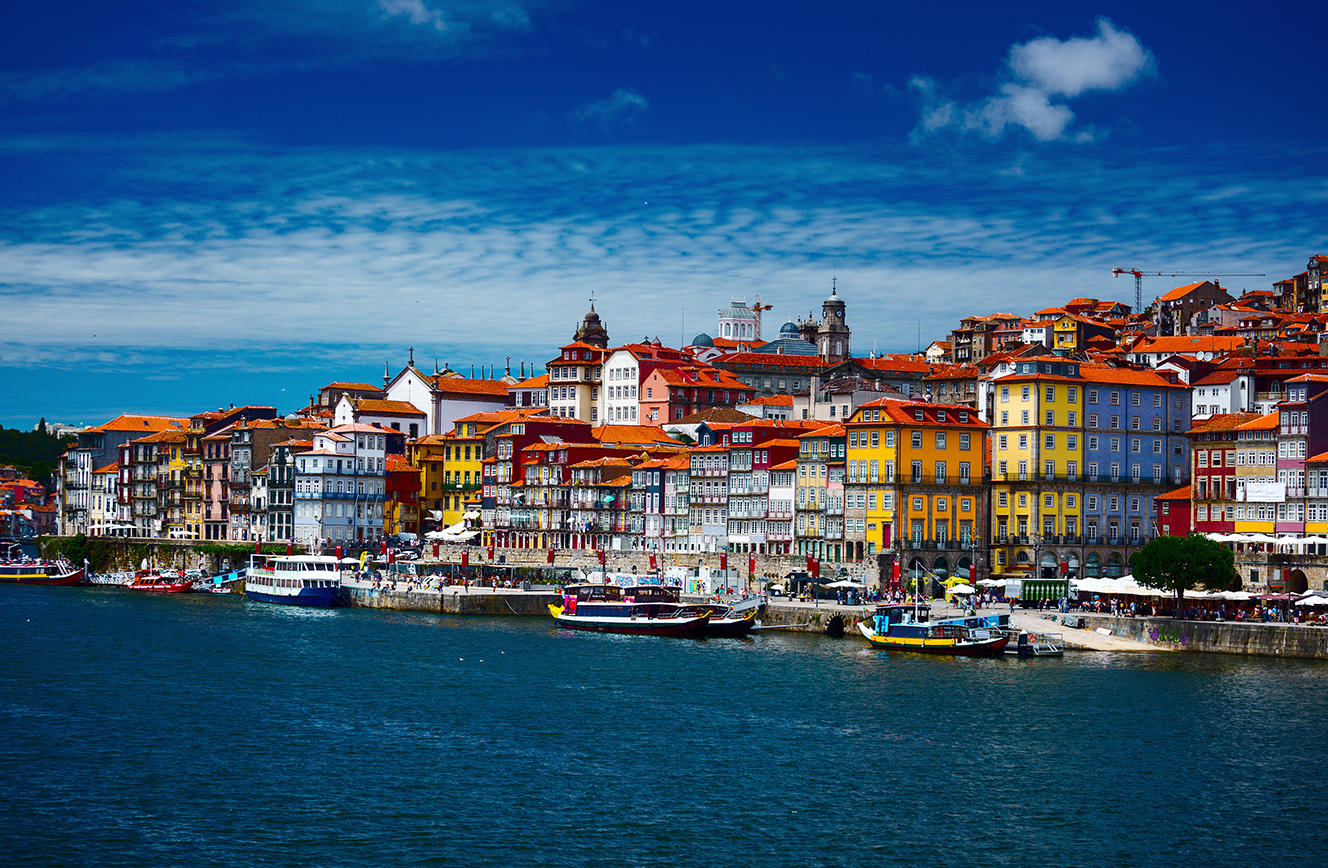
x=294 y=580
x=22 y=571
x=163 y=582
x=651 y=610
x=909 y=628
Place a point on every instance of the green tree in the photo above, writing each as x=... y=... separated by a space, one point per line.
x=1182 y=563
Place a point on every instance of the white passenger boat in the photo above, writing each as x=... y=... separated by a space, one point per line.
x=294 y=580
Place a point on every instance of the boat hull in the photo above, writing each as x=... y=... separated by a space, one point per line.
x=632 y=626
x=36 y=577
x=722 y=628
x=993 y=647
x=320 y=598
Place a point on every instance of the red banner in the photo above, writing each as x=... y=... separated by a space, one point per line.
x=435 y=548
x=816 y=568
x=258 y=547
x=600 y=553
x=383 y=550
x=1065 y=567
x=490 y=551
x=751 y=565
x=972 y=573
x=550 y=555
x=465 y=559
x=894 y=574
x=811 y=564
x=289 y=548
x=391 y=556
x=652 y=562
x=723 y=562
x=338 y=552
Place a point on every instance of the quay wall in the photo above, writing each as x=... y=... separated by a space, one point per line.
x=1220 y=637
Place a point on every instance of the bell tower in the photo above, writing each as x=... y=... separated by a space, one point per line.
x=832 y=334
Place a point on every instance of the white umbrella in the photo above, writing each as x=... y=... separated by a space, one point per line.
x=845 y=583
x=991 y=583
x=1311 y=601
x=963 y=589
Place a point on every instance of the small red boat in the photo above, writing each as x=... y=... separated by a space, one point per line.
x=160 y=583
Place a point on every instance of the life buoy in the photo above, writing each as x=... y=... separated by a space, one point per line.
x=1032 y=637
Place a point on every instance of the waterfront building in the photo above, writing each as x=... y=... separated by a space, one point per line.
x=530 y=393
x=1079 y=450
x=1302 y=432
x=258 y=504
x=820 y=493
x=281 y=488
x=575 y=378
x=400 y=416
x=106 y=515
x=1257 y=492
x=443 y=397
x=675 y=485
x=599 y=503
x=401 y=507
x=625 y=397
x=708 y=498
x=1173 y=512
x=97 y=446
x=340 y=485
x=1213 y=443
x=671 y=394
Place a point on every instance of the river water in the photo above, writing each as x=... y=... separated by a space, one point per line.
x=197 y=730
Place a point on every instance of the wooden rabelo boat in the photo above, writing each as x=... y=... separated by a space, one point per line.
x=153 y=582
x=25 y=572
x=909 y=628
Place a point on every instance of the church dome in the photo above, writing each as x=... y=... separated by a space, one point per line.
x=789 y=330
x=703 y=340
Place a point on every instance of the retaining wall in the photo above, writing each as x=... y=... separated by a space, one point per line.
x=1222 y=637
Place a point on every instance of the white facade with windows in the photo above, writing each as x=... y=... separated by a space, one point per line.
x=339 y=485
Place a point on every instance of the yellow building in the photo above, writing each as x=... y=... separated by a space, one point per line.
x=921 y=469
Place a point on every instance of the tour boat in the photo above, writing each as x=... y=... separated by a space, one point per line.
x=908 y=628
x=651 y=610
x=40 y=573
x=165 y=582
x=294 y=580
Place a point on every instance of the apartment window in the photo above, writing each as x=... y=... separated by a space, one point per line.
x=1071 y=441
x=1024 y=393
x=1115 y=398
x=1003 y=441
x=1002 y=499
x=917 y=439
x=940 y=439
x=1092 y=420
x=1051 y=393
x=1135 y=399
x=1092 y=396
x=1023 y=417
x=875 y=439
x=1051 y=417
x=1072 y=418
x=1005 y=417
x=1050 y=441
x=1005 y=394
x=1071 y=396
x=964 y=440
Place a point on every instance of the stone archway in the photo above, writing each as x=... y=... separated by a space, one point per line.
x=1297 y=583
x=1047 y=565
x=1072 y=565
x=1115 y=565
x=941 y=567
x=1093 y=566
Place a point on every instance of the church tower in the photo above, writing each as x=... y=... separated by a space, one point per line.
x=592 y=331
x=833 y=333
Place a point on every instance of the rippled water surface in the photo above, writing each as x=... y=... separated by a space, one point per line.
x=204 y=731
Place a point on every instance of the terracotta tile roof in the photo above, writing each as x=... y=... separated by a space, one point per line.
x=379 y=407
x=787 y=465
x=533 y=383
x=1221 y=422
x=774 y=360
x=466 y=386
x=1181 y=291
x=128 y=422
x=109 y=468
x=772 y=401
x=1262 y=423
x=1178 y=494
x=360 y=387
x=1181 y=344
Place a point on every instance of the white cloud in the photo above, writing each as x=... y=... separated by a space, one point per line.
x=1036 y=73
x=624 y=106
x=1108 y=61
x=415 y=12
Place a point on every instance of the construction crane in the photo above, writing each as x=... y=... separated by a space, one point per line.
x=1140 y=275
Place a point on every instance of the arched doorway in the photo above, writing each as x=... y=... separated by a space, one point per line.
x=1047 y=566
x=1297 y=583
x=1072 y=565
x=941 y=567
x=1093 y=566
x=962 y=568
x=1115 y=565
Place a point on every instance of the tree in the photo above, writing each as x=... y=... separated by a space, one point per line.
x=1182 y=563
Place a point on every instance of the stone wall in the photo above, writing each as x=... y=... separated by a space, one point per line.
x=1222 y=637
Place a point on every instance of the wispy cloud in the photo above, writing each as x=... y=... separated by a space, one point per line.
x=1039 y=76
x=623 y=107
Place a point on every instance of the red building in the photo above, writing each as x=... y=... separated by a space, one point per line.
x=1173 y=512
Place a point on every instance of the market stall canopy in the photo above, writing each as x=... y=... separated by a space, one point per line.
x=963 y=589
x=846 y=583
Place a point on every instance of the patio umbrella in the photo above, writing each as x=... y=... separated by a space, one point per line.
x=963 y=589
x=1314 y=600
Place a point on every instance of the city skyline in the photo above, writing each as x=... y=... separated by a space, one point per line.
x=201 y=208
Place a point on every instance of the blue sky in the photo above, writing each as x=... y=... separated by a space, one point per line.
x=212 y=203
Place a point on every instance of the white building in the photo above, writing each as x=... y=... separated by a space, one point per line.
x=442 y=398
x=339 y=485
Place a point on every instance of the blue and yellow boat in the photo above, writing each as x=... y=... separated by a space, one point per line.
x=910 y=628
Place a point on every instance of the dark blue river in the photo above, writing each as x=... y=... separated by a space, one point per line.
x=204 y=731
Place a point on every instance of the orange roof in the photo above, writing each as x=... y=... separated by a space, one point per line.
x=361 y=387
x=1263 y=423
x=787 y=465
x=1221 y=422
x=109 y=468
x=129 y=422
x=776 y=360
x=380 y=407
x=1181 y=291
x=1178 y=494
x=533 y=383
x=773 y=401
x=466 y=386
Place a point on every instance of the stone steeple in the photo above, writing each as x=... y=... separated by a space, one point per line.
x=592 y=331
